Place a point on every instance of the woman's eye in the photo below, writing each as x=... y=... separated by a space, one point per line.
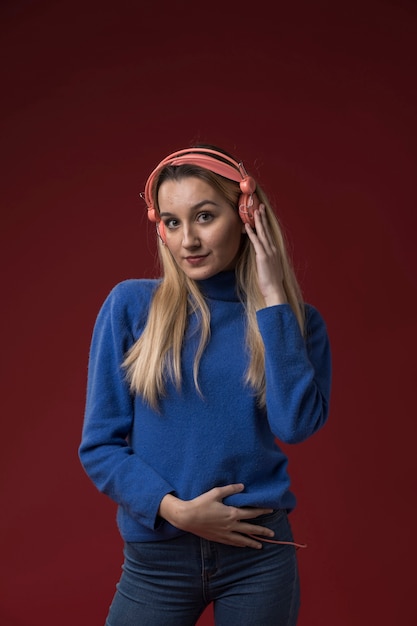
x=204 y=217
x=172 y=223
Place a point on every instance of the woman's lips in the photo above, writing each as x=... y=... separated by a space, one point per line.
x=195 y=260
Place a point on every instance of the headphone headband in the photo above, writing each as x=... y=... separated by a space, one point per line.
x=216 y=162
x=203 y=157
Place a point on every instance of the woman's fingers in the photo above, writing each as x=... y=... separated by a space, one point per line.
x=220 y=493
x=207 y=516
x=261 y=226
x=268 y=260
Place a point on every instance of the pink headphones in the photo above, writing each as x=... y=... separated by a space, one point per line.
x=211 y=160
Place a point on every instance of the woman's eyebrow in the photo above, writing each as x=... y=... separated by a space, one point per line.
x=196 y=207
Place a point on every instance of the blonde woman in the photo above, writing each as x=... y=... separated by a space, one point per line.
x=194 y=379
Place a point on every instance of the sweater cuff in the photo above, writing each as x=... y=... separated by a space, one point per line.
x=278 y=323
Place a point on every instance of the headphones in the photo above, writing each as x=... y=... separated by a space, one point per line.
x=216 y=162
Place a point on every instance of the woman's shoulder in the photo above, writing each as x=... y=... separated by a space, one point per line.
x=130 y=297
x=134 y=288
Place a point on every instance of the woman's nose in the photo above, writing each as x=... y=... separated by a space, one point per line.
x=189 y=237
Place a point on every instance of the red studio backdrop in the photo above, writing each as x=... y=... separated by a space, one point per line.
x=319 y=100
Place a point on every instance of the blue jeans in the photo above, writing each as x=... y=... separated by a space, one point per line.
x=170 y=583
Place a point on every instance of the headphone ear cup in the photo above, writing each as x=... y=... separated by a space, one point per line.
x=160 y=226
x=152 y=215
x=248 y=203
x=160 y=229
x=248 y=185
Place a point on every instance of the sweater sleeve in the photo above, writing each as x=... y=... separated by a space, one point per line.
x=113 y=466
x=298 y=372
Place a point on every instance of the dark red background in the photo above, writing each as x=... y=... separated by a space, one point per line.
x=319 y=99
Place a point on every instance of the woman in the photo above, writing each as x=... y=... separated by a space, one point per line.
x=192 y=380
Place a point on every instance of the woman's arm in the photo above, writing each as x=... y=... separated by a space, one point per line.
x=297 y=369
x=105 y=453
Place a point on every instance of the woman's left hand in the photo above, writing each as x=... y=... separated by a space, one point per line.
x=268 y=260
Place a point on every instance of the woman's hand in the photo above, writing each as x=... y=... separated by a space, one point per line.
x=270 y=274
x=207 y=517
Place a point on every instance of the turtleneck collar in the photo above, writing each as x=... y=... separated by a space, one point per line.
x=221 y=286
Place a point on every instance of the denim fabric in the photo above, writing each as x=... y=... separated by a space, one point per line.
x=170 y=583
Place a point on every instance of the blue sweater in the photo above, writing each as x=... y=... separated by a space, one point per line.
x=137 y=456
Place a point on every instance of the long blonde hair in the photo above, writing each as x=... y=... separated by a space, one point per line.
x=156 y=355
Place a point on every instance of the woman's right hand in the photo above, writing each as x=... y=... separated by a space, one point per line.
x=208 y=517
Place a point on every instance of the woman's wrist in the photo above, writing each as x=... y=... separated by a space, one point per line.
x=171 y=509
x=278 y=296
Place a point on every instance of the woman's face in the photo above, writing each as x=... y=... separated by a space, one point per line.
x=203 y=232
